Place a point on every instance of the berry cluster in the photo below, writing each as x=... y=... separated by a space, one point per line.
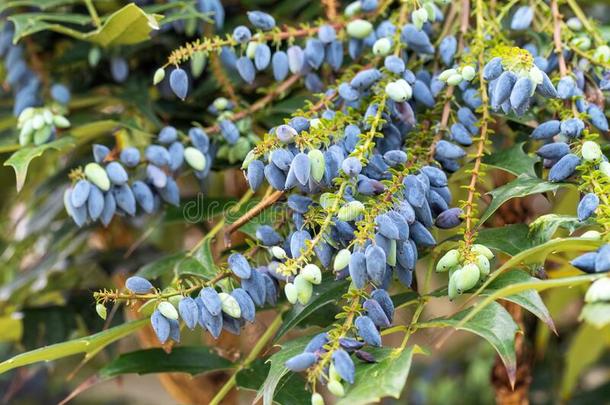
x=103 y=188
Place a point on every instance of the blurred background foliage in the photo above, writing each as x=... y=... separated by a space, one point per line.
x=48 y=269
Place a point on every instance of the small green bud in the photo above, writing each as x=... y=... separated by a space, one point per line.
x=97 y=175
x=382 y=46
x=158 y=76
x=318 y=165
x=591 y=151
x=248 y=159
x=359 y=28
x=467 y=278
x=95 y=54
x=101 y=311
x=167 y=310
x=42 y=135
x=332 y=373
x=342 y=259
x=37 y=121
x=452 y=287
x=291 y=293
x=304 y=289
x=230 y=306
x=47 y=116
x=221 y=103
x=419 y=17
x=449 y=260
x=251 y=49
x=336 y=388
x=194 y=158
x=26 y=114
x=483 y=250
x=312 y=273
x=25 y=135
x=429 y=7
x=350 y=211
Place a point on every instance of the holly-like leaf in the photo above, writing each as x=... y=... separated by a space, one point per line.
x=127 y=26
x=41 y=4
x=510 y=239
x=528 y=299
x=386 y=378
x=544 y=227
x=325 y=294
x=204 y=259
x=89 y=345
x=494 y=324
x=21 y=159
x=290 y=390
x=520 y=187
x=277 y=370
x=513 y=160
x=182 y=359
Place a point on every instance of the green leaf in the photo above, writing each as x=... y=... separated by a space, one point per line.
x=290 y=390
x=325 y=294
x=161 y=266
x=182 y=359
x=528 y=299
x=513 y=160
x=510 y=239
x=201 y=263
x=90 y=345
x=21 y=159
x=544 y=227
x=41 y=4
x=520 y=187
x=127 y=26
x=386 y=378
x=277 y=369
x=587 y=346
x=494 y=324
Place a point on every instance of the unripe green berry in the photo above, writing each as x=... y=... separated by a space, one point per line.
x=97 y=175
x=482 y=263
x=595 y=235
x=350 y=211
x=167 y=310
x=446 y=74
x=251 y=49
x=455 y=79
x=448 y=261
x=468 y=73
x=304 y=289
x=278 y=252
x=342 y=259
x=467 y=278
x=318 y=165
x=194 y=158
x=336 y=388
x=230 y=306
x=359 y=28
x=574 y=24
x=382 y=46
x=101 y=311
x=599 y=291
x=317 y=399
x=158 y=76
x=353 y=8
x=291 y=293
x=312 y=273
x=604 y=167
x=591 y=151
x=483 y=250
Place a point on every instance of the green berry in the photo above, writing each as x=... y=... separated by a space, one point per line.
x=291 y=293
x=467 y=278
x=97 y=175
x=316 y=160
x=350 y=211
x=167 y=310
x=312 y=273
x=342 y=259
x=158 y=76
x=449 y=260
x=230 y=306
x=304 y=289
x=359 y=29
x=483 y=250
x=194 y=158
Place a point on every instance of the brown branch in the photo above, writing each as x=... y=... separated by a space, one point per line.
x=330 y=7
x=260 y=104
x=254 y=211
x=563 y=70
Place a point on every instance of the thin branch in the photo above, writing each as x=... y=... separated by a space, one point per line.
x=254 y=211
x=330 y=8
x=563 y=70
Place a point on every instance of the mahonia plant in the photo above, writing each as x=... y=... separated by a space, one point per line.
x=407 y=140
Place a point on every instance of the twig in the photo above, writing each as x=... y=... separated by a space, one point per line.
x=563 y=70
x=254 y=211
x=330 y=7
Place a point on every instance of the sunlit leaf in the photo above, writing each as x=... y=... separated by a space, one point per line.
x=513 y=160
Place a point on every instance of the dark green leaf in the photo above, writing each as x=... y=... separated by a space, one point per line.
x=182 y=359
x=494 y=324
x=290 y=390
x=21 y=159
x=513 y=160
x=325 y=294
x=386 y=378
x=528 y=299
x=520 y=187
x=510 y=239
